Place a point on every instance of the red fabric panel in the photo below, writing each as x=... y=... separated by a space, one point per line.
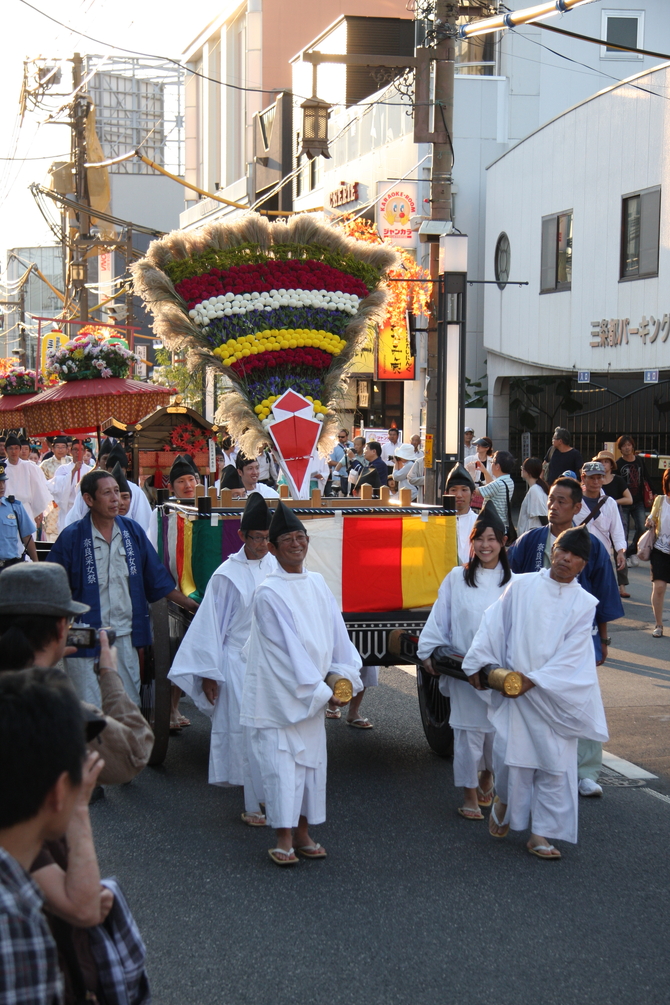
x=372 y=563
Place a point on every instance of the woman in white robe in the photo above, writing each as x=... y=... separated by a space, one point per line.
x=463 y=597
x=533 y=512
x=541 y=627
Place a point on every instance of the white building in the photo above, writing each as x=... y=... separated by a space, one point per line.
x=583 y=205
x=506 y=87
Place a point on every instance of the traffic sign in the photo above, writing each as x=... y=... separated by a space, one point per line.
x=583 y=376
x=651 y=376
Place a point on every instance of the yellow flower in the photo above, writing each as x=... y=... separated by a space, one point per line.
x=78 y=354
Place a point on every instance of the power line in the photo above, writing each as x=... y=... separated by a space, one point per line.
x=45 y=157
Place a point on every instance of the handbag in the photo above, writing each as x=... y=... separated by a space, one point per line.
x=646 y=543
x=511 y=529
x=647 y=494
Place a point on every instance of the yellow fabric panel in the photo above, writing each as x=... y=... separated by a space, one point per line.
x=187 y=583
x=429 y=552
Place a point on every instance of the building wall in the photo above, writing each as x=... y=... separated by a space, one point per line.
x=150 y=200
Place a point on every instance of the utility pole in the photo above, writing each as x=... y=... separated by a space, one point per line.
x=80 y=110
x=446 y=15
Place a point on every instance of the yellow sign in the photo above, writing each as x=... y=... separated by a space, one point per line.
x=428 y=451
x=50 y=340
x=394 y=356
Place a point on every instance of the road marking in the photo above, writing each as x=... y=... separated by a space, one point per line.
x=657 y=795
x=625 y=768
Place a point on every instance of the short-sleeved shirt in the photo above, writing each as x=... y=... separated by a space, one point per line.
x=635 y=475
x=15 y=524
x=500 y=492
x=616 y=488
x=560 y=461
x=28 y=956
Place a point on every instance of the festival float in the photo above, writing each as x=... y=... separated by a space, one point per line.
x=17 y=386
x=91 y=371
x=281 y=309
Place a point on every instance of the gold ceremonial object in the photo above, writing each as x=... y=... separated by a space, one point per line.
x=341 y=687
x=507 y=681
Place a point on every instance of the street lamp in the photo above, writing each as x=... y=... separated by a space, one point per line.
x=78 y=272
x=315 y=114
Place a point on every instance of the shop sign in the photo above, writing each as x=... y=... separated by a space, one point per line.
x=395 y=210
x=394 y=355
x=345 y=192
x=611 y=332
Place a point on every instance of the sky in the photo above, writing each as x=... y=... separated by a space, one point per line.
x=152 y=26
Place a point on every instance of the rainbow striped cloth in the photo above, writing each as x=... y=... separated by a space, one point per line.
x=371 y=563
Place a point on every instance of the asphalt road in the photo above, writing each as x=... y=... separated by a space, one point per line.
x=413 y=904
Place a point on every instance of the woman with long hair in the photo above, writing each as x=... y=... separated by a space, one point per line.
x=659 y=519
x=534 y=506
x=463 y=597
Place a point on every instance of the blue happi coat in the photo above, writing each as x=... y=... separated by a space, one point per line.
x=148 y=579
x=597 y=577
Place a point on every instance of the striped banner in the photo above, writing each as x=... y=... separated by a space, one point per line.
x=370 y=563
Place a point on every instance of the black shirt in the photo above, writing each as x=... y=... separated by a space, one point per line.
x=635 y=475
x=616 y=488
x=560 y=461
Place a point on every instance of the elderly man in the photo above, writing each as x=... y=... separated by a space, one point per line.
x=562 y=456
x=541 y=628
x=297 y=637
x=210 y=663
x=532 y=552
x=338 y=462
x=112 y=568
x=25 y=481
x=460 y=485
x=601 y=512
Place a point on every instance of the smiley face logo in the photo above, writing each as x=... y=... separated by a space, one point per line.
x=397 y=212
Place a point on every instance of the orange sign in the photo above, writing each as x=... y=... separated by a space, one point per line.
x=428 y=451
x=394 y=358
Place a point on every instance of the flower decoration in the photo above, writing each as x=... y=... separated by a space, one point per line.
x=188 y=439
x=90 y=356
x=273 y=306
x=16 y=380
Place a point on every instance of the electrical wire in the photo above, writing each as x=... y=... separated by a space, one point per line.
x=45 y=157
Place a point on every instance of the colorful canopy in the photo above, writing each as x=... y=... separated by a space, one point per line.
x=11 y=414
x=79 y=406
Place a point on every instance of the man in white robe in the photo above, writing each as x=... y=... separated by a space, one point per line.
x=64 y=485
x=541 y=628
x=25 y=481
x=298 y=637
x=210 y=665
x=139 y=510
x=461 y=486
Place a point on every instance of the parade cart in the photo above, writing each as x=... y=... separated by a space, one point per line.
x=384 y=563
x=156 y=440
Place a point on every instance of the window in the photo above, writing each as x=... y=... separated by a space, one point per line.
x=640 y=230
x=622 y=27
x=556 y=264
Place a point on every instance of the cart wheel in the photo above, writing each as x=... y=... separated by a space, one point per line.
x=161 y=657
x=435 y=709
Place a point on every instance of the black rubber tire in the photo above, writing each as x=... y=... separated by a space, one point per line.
x=435 y=709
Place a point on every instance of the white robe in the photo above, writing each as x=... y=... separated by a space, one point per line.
x=464 y=525
x=297 y=637
x=533 y=507
x=26 y=482
x=140 y=510
x=212 y=647
x=65 y=489
x=453 y=622
x=542 y=629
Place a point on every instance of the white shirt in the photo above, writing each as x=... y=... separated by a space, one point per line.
x=388 y=450
x=533 y=507
x=607 y=525
x=65 y=487
x=26 y=482
x=464 y=525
